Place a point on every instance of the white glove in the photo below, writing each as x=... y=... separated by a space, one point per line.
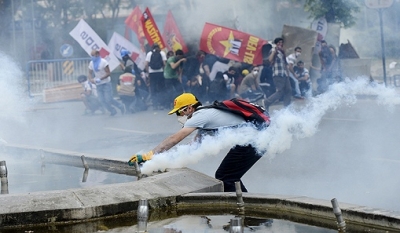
x=97 y=80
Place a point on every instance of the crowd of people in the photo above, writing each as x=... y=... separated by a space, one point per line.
x=208 y=77
x=182 y=83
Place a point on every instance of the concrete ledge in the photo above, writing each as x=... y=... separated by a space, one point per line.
x=107 y=200
x=292 y=206
x=181 y=190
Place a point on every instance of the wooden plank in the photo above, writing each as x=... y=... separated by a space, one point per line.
x=62 y=93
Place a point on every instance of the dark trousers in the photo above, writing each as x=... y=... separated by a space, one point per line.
x=283 y=88
x=173 y=88
x=235 y=164
x=157 y=88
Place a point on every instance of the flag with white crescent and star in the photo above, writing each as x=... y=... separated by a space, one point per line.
x=232 y=44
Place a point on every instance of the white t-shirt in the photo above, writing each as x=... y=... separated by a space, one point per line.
x=88 y=86
x=291 y=59
x=211 y=118
x=98 y=74
x=148 y=57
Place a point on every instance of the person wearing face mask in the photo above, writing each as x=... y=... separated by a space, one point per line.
x=207 y=121
x=291 y=61
x=99 y=74
x=280 y=76
x=128 y=62
x=250 y=87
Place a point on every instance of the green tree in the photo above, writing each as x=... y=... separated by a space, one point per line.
x=62 y=15
x=334 y=11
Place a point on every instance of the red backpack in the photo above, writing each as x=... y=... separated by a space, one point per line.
x=250 y=112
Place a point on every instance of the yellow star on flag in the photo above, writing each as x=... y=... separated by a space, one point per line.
x=227 y=43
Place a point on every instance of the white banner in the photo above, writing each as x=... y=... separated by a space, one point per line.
x=118 y=42
x=320 y=26
x=89 y=41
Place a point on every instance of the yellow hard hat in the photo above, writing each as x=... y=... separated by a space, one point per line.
x=183 y=100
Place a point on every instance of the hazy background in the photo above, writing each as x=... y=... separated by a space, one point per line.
x=40 y=25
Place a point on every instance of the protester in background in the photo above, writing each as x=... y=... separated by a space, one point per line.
x=89 y=96
x=194 y=79
x=303 y=76
x=218 y=90
x=213 y=64
x=240 y=74
x=142 y=89
x=291 y=60
x=198 y=81
x=155 y=62
x=208 y=61
x=126 y=90
x=170 y=54
x=326 y=58
x=208 y=121
x=277 y=59
x=250 y=88
x=172 y=75
x=335 y=69
x=99 y=74
x=128 y=62
x=229 y=77
x=266 y=81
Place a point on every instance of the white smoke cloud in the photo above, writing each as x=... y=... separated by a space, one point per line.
x=287 y=124
x=13 y=99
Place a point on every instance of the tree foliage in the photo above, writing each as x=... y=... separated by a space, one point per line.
x=334 y=11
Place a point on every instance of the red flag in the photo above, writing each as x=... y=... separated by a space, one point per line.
x=150 y=29
x=133 y=22
x=172 y=35
x=231 y=44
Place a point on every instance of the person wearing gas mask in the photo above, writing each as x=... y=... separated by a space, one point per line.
x=250 y=87
x=291 y=61
x=207 y=121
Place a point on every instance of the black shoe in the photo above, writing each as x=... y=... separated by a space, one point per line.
x=299 y=97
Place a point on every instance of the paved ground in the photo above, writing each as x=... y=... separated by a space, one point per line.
x=352 y=157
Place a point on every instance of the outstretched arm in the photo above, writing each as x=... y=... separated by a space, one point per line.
x=172 y=140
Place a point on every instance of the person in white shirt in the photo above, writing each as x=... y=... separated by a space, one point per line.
x=99 y=74
x=155 y=63
x=291 y=60
x=89 y=96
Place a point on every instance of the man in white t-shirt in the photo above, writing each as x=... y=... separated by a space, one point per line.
x=208 y=121
x=291 y=61
x=155 y=63
x=99 y=74
x=89 y=96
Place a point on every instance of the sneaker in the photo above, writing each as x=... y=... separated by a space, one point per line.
x=298 y=97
